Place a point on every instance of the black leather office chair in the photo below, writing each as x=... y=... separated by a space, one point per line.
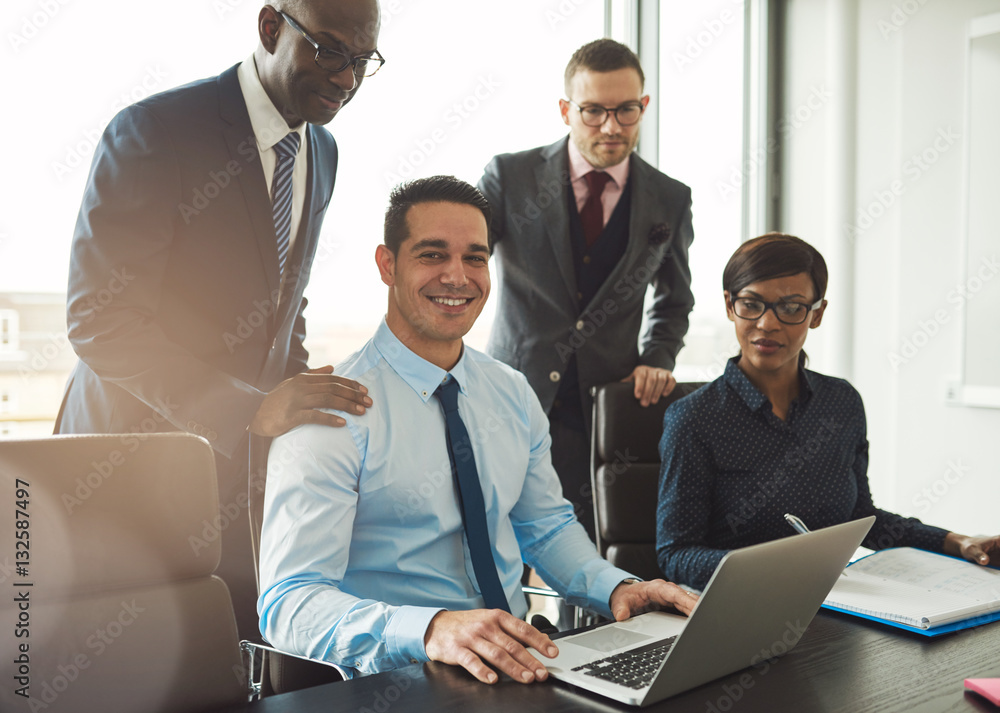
x=625 y=472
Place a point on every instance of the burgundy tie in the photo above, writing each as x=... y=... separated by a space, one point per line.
x=592 y=214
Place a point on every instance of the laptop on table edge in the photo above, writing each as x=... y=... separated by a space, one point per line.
x=758 y=597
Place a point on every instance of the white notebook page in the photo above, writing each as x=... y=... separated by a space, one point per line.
x=917 y=587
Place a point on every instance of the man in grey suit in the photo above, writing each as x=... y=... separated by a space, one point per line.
x=582 y=228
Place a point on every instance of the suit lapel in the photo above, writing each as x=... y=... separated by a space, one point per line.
x=242 y=146
x=554 y=172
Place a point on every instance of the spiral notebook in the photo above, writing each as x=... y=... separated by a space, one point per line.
x=920 y=591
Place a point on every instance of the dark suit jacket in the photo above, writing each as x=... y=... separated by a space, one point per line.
x=539 y=321
x=174 y=306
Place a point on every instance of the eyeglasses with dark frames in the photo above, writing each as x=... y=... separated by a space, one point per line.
x=331 y=60
x=787 y=312
x=595 y=115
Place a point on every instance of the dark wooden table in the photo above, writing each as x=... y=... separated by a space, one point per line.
x=842 y=664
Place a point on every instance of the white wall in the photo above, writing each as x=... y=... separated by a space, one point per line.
x=904 y=244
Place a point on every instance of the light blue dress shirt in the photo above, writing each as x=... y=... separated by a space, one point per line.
x=362 y=540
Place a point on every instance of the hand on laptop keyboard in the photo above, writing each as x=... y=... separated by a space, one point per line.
x=630 y=599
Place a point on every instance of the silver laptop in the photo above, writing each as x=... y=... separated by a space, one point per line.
x=755 y=608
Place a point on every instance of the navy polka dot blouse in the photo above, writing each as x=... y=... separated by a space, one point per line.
x=731 y=469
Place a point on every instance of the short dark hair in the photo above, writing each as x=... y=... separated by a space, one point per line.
x=436 y=189
x=602 y=56
x=774 y=255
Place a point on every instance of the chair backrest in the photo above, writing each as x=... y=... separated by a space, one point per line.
x=115 y=592
x=625 y=469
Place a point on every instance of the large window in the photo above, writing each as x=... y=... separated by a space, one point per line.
x=701 y=110
x=8 y=331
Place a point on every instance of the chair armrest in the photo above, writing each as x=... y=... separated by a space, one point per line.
x=255 y=687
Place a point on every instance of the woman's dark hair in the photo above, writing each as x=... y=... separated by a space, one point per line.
x=774 y=255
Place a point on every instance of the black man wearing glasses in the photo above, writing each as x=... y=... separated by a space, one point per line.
x=193 y=246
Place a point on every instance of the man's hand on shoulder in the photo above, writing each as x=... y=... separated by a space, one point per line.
x=651 y=383
x=473 y=639
x=632 y=598
x=296 y=401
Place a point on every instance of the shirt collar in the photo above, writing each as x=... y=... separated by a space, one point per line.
x=419 y=374
x=269 y=127
x=752 y=396
x=579 y=166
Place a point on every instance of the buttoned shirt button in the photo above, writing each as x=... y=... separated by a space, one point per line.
x=586 y=259
x=579 y=325
x=579 y=295
x=554 y=376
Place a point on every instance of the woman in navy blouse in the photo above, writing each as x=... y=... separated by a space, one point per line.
x=770 y=437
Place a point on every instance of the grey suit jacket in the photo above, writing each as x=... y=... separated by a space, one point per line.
x=540 y=322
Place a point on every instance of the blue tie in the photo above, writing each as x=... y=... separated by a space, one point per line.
x=463 y=467
x=281 y=194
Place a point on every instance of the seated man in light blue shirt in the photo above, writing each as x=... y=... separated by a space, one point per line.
x=368 y=551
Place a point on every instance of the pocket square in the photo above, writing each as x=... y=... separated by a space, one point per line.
x=659 y=234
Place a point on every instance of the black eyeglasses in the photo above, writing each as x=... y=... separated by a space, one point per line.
x=330 y=60
x=786 y=312
x=596 y=115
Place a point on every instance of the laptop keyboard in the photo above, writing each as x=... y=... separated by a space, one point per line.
x=632 y=669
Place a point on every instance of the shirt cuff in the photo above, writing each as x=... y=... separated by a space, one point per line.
x=404 y=634
x=604 y=584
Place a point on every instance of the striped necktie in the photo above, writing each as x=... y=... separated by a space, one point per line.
x=470 y=495
x=281 y=194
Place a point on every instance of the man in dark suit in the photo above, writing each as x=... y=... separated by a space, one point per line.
x=582 y=227
x=192 y=249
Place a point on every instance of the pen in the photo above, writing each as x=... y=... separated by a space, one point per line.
x=796 y=523
x=800 y=527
